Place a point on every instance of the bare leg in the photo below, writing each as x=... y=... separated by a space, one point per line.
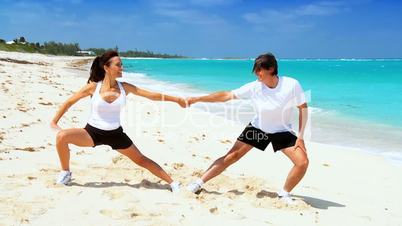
x=76 y=136
x=300 y=161
x=238 y=150
x=137 y=157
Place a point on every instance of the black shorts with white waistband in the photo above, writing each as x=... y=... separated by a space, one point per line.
x=116 y=138
x=260 y=139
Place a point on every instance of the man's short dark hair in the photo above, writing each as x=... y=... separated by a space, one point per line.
x=265 y=61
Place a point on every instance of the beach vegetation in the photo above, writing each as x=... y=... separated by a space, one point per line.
x=72 y=49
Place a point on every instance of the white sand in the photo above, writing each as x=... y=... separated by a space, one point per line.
x=342 y=186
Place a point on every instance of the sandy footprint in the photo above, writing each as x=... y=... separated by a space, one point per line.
x=29 y=149
x=118 y=159
x=130 y=213
x=234 y=194
x=2 y=135
x=197 y=173
x=112 y=213
x=46 y=103
x=267 y=199
x=177 y=166
x=226 y=141
x=214 y=210
x=113 y=194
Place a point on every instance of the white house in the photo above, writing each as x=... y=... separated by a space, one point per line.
x=86 y=53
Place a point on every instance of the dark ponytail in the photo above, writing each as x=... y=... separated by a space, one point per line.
x=97 y=71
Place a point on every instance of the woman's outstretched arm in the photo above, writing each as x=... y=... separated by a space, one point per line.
x=154 y=95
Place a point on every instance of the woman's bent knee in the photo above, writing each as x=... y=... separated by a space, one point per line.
x=61 y=136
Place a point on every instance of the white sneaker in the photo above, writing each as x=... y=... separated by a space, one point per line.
x=194 y=187
x=283 y=193
x=285 y=197
x=64 y=177
x=175 y=186
x=288 y=200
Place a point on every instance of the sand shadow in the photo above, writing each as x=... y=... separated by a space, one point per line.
x=269 y=194
x=318 y=203
x=236 y=192
x=313 y=202
x=143 y=184
x=203 y=190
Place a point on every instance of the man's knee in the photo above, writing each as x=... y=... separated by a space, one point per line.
x=303 y=163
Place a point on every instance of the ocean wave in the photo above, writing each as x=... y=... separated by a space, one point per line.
x=394 y=157
x=223 y=59
x=314 y=110
x=142 y=58
x=341 y=59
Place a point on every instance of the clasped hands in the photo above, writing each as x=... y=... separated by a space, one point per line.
x=186 y=102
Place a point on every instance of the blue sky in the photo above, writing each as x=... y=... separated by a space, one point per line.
x=214 y=28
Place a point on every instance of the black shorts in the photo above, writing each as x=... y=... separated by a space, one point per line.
x=116 y=138
x=260 y=139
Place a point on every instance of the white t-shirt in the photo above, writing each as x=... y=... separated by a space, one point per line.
x=274 y=106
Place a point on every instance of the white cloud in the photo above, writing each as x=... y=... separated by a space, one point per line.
x=274 y=21
x=190 y=16
x=183 y=12
x=316 y=10
x=267 y=16
x=213 y=2
x=192 y=3
x=294 y=19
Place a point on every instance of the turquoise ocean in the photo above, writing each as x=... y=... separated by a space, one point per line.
x=353 y=102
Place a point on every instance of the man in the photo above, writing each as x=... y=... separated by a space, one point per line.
x=273 y=97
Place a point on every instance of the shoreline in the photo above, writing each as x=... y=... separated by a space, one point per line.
x=110 y=190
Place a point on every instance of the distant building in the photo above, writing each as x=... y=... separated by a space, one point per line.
x=86 y=53
x=10 y=42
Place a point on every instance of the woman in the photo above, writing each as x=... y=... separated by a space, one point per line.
x=274 y=97
x=108 y=96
